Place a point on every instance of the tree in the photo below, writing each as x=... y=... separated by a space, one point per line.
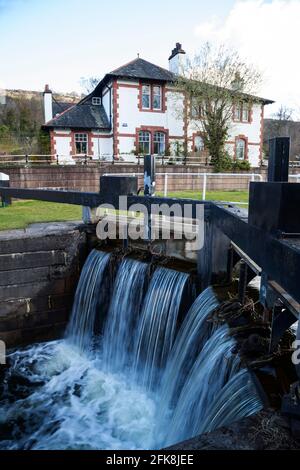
x=43 y=141
x=284 y=113
x=89 y=84
x=213 y=82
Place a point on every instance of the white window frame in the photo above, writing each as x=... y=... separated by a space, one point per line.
x=160 y=97
x=196 y=149
x=144 y=133
x=238 y=110
x=239 y=140
x=96 y=100
x=83 y=139
x=146 y=94
x=194 y=109
x=246 y=108
x=159 y=142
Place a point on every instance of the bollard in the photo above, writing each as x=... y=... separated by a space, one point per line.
x=149 y=175
x=4 y=183
x=90 y=215
x=278 y=167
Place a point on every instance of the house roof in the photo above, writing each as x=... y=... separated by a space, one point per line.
x=134 y=70
x=81 y=116
x=84 y=115
x=59 y=107
x=140 y=68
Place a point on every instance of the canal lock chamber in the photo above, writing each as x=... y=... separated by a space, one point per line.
x=149 y=358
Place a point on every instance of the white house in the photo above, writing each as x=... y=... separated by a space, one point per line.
x=134 y=110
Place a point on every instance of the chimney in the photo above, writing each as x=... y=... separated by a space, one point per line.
x=177 y=59
x=237 y=83
x=48 y=111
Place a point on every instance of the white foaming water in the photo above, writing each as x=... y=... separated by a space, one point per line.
x=78 y=406
x=145 y=385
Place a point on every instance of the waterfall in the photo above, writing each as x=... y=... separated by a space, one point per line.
x=211 y=370
x=151 y=379
x=234 y=401
x=201 y=372
x=87 y=300
x=194 y=332
x=156 y=331
x=123 y=314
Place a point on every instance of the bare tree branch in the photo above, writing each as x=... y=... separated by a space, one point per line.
x=284 y=113
x=214 y=82
x=89 y=84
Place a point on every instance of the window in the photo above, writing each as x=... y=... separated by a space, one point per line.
x=144 y=142
x=240 y=149
x=198 y=144
x=198 y=111
x=81 y=143
x=146 y=95
x=194 y=108
x=246 y=113
x=238 y=111
x=96 y=100
x=242 y=112
x=159 y=143
x=156 y=97
x=152 y=97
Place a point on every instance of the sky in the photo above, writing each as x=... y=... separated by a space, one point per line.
x=59 y=41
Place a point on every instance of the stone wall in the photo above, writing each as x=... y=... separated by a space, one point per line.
x=86 y=177
x=39 y=271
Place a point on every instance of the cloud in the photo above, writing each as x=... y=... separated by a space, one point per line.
x=267 y=35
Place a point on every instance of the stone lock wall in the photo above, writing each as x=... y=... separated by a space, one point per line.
x=39 y=271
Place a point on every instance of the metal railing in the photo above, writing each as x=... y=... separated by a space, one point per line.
x=198 y=182
x=26 y=159
x=294 y=178
x=51 y=159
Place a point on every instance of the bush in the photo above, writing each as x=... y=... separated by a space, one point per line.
x=242 y=165
x=223 y=164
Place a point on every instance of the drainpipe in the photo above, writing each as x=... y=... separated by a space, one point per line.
x=110 y=113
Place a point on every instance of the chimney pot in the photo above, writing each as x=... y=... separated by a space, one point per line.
x=47 y=89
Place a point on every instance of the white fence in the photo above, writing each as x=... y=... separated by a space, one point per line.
x=294 y=178
x=175 y=182
x=59 y=159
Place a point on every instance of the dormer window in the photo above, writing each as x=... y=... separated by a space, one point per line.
x=96 y=100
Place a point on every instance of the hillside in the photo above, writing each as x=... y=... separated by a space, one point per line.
x=282 y=128
x=21 y=117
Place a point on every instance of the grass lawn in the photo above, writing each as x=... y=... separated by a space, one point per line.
x=22 y=213
x=232 y=196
